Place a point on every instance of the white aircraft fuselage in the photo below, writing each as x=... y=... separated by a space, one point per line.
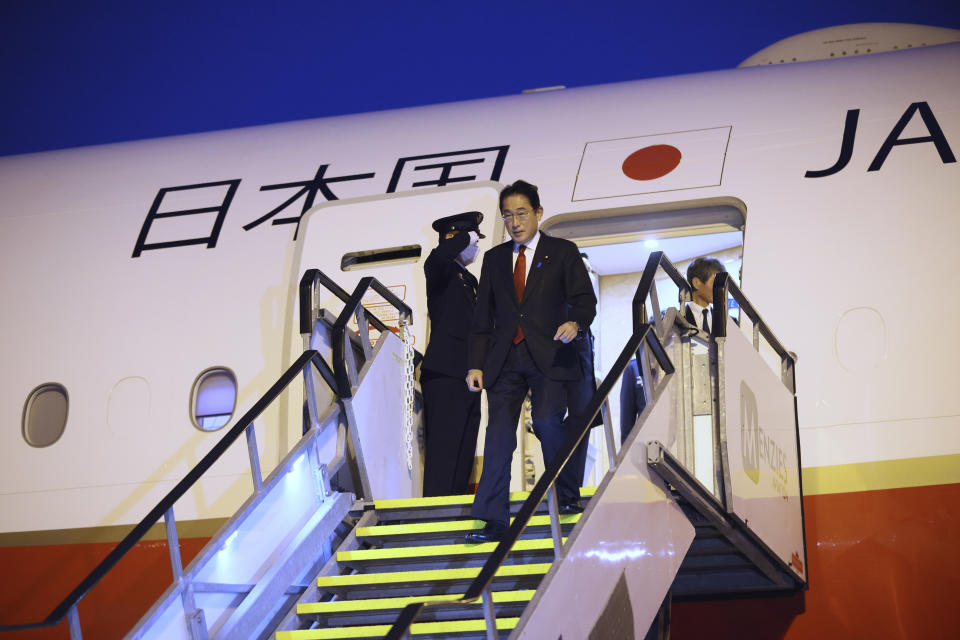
x=129 y=269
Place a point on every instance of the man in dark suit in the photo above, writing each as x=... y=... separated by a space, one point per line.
x=700 y=274
x=534 y=298
x=451 y=413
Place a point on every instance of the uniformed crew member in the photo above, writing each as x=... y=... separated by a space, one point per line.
x=451 y=412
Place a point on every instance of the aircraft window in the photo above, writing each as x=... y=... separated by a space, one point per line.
x=45 y=415
x=380 y=257
x=214 y=398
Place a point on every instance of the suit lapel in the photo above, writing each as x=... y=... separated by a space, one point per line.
x=506 y=267
x=540 y=256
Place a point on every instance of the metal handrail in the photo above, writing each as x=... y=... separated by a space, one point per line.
x=313 y=277
x=68 y=605
x=646 y=287
x=350 y=309
x=724 y=288
x=352 y=306
x=643 y=332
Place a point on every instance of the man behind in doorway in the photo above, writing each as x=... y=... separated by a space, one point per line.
x=700 y=274
x=451 y=413
x=534 y=298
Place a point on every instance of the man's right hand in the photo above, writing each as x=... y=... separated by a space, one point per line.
x=475 y=379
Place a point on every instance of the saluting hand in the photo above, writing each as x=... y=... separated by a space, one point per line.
x=566 y=332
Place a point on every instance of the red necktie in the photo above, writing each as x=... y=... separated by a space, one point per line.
x=519 y=281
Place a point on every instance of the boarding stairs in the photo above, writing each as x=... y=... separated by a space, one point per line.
x=412 y=550
x=334 y=543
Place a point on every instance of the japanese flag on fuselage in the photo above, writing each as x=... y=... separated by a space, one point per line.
x=647 y=164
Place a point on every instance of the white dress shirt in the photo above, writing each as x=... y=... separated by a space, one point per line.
x=697 y=312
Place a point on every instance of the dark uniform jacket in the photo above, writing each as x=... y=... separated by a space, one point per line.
x=557 y=289
x=451 y=299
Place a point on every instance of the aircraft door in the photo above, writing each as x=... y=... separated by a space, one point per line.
x=618 y=242
x=386 y=237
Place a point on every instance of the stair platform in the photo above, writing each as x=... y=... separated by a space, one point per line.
x=430 y=582
x=446 y=507
x=444 y=555
x=425 y=630
x=409 y=551
x=434 y=532
x=386 y=610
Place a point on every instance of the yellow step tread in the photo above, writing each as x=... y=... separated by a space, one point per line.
x=380 y=630
x=430 y=551
x=376 y=604
x=448 y=526
x=433 y=575
x=452 y=501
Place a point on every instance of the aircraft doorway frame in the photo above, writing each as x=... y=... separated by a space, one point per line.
x=665 y=221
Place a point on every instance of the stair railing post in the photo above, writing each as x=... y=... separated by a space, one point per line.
x=173 y=544
x=363 y=328
x=254 y=456
x=351 y=360
x=608 y=433
x=489 y=614
x=311 y=394
x=555 y=520
x=194 y=618
x=73 y=623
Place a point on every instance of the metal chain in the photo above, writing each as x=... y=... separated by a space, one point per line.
x=529 y=466
x=406 y=335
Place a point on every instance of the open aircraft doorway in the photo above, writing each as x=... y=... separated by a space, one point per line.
x=618 y=243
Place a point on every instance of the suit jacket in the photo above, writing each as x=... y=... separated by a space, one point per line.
x=557 y=289
x=696 y=319
x=632 y=398
x=451 y=299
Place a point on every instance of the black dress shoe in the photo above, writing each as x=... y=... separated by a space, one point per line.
x=491 y=532
x=571 y=508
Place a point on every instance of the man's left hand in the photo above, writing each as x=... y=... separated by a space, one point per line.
x=566 y=332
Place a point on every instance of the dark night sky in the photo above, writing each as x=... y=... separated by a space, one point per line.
x=78 y=74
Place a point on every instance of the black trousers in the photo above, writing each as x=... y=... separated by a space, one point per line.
x=579 y=394
x=451 y=415
x=505 y=402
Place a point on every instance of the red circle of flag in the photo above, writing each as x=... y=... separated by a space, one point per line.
x=651 y=162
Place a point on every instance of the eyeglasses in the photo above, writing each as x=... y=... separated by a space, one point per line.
x=520 y=215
